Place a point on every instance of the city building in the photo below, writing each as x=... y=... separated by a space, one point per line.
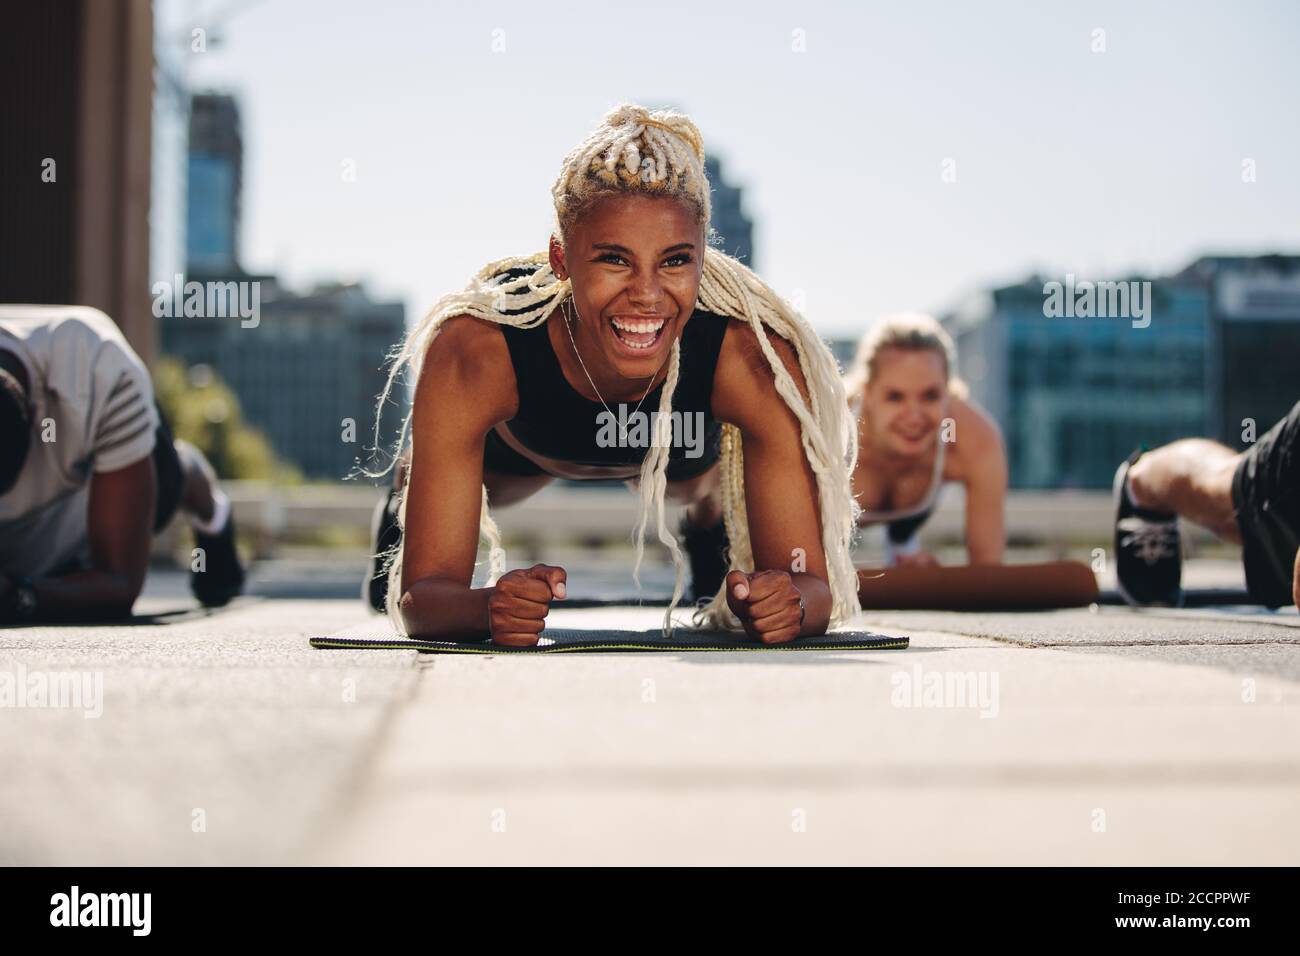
x=307 y=369
x=216 y=163
x=735 y=229
x=1255 y=341
x=1075 y=395
x=308 y=374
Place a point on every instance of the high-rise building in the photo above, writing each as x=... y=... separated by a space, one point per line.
x=1254 y=341
x=216 y=163
x=308 y=374
x=308 y=370
x=1075 y=395
x=734 y=228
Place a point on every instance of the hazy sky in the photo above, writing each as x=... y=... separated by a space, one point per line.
x=1066 y=160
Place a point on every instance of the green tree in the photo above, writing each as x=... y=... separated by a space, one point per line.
x=203 y=411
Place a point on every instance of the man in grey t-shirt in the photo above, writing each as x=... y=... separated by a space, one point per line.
x=89 y=471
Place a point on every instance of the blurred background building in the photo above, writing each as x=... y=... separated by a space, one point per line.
x=116 y=174
x=734 y=228
x=216 y=185
x=1254 y=339
x=308 y=374
x=1075 y=396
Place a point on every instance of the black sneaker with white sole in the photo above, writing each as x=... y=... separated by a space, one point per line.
x=706 y=548
x=220 y=577
x=1148 y=549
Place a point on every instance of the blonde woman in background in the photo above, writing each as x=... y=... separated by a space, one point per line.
x=918 y=430
x=628 y=307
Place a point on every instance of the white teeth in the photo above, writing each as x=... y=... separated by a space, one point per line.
x=639 y=325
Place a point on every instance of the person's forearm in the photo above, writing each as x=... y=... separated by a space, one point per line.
x=817 y=604
x=986 y=535
x=985 y=554
x=445 y=610
x=85 y=595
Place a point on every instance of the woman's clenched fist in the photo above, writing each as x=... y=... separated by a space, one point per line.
x=520 y=601
x=769 y=606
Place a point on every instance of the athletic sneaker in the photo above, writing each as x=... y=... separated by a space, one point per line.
x=706 y=548
x=384 y=536
x=1148 y=548
x=222 y=576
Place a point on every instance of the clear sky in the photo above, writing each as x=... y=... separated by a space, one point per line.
x=1066 y=159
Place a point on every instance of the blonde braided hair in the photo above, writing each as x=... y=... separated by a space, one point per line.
x=635 y=150
x=908 y=331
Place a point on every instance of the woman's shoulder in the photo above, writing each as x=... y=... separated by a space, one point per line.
x=468 y=340
x=976 y=433
x=469 y=357
x=744 y=382
x=741 y=348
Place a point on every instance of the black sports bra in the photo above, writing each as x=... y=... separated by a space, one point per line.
x=554 y=421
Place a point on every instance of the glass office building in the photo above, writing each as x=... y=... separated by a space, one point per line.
x=308 y=374
x=1076 y=395
x=216 y=158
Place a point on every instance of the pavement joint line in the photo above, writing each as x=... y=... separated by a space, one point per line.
x=1035 y=644
x=462 y=780
x=348 y=798
x=1169 y=643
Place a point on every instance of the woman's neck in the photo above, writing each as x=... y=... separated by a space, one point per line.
x=611 y=387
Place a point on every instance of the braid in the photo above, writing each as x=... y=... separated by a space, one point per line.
x=662 y=153
x=657 y=152
x=653 y=487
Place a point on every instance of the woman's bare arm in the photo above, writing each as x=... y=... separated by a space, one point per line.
x=780 y=489
x=983 y=462
x=466 y=386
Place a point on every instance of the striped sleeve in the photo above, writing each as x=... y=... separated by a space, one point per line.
x=125 y=419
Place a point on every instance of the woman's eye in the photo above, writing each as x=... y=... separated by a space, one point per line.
x=677 y=260
x=611 y=257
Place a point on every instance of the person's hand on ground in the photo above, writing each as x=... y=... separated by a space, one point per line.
x=520 y=602
x=921 y=559
x=767 y=603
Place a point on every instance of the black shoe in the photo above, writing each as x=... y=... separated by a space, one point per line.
x=707 y=550
x=1148 y=549
x=222 y=576
x=384 y=537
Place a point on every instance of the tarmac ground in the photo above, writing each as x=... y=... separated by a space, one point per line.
x=1096 y=735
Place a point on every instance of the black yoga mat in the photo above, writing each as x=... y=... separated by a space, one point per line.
x=569 y=640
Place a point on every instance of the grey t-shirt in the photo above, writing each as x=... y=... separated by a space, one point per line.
x=94 y=412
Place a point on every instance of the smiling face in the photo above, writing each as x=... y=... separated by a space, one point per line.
x=635 y=263
x=906 y=400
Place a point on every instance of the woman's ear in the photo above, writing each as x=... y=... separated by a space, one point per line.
x=558 y=265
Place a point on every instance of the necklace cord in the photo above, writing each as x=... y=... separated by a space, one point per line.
x=569 y=328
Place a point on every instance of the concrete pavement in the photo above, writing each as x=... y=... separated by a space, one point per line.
x=1102 y=737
